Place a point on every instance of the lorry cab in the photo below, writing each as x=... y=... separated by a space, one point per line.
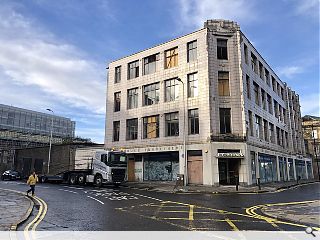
x=109 y=167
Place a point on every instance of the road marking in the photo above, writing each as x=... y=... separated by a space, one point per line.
x=42 y=215
x=68 y=191
x=96 y=199
x=290 y=203
x=191 y=212
x=251 y=211
x=73 y=187
x=148 y=197
x=233 y=226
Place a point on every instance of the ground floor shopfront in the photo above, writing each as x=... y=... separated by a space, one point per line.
x=219 y=163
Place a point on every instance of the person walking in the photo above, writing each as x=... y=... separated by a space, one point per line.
x=32 y=180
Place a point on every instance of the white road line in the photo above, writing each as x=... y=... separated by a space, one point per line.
x=67 y=191
x=148 y=197
x=74 y=187
x=96 y=199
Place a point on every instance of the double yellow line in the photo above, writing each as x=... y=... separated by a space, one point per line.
x=43 y=208
x=252 y=212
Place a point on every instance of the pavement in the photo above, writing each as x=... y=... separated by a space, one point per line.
x=305 y=212
x=173 y=187
x=15 y=208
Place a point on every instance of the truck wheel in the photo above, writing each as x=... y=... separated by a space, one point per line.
x=98 y=181
x=82 y=179
x=73 y=179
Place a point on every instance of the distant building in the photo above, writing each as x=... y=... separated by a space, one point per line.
x=311 y=135
x=21 y=128
x=206 y=105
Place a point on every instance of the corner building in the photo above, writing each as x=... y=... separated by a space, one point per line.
x=208 y=106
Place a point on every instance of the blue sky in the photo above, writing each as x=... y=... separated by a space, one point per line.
x=53 y=54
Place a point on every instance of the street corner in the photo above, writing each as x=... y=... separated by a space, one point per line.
x=305 y=212
x=15 y=208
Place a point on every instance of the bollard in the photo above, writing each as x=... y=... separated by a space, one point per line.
x=237 y=183
x=298 y=179
x=258 y=182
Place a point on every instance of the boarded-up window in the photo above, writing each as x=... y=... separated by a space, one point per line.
x=223 y=82
x=171 y=58
x=151 y=127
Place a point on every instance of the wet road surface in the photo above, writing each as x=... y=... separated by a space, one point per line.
x=87 y=208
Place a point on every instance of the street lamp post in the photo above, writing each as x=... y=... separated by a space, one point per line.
x=184 y=134
x=50 y=141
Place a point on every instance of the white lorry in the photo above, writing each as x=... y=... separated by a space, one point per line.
x=94 y=165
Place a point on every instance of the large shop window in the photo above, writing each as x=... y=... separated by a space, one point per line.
x=267 y=168
x=283 y=169
x=291 y=169
x=300 y=169
x=309 y=168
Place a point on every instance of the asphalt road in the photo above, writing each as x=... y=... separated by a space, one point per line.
x=87 y=208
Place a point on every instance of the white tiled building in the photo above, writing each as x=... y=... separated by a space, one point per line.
x=209 y=94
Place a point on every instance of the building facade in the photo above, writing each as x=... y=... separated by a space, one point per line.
x=311 y=134
x=208 y=106
x=22 y=128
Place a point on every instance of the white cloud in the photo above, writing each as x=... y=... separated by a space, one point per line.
x=33 y=57
x=38 y=70
x=289 y=71
x=307 y=7
x=310 y=104
x=193 y=13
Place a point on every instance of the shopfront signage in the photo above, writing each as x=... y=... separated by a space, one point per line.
x=230 y=155
x=154 y=149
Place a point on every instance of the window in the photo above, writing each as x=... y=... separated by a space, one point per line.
x=132 y=129
x=133 y=69
x=132 y=98
x=149 y=64
x=248 y=87
x=276 y=108
x=278 y=136
x=171 y=90
x=225 y=120
x=193 y=85
x=171 y=58
x=267 y=76
x=222 y=52
x=193 y=120
x=254 y=63
x=116 y=131
x=256 y=93
x=151 y=127
x=245 y=53
x=223 y=83
x=117 y=74
x=151 y=94
x=265 y=130
x=282 y=138
x=274 y=87
x=192 y=51
x=117 y=101
x=282 y=93
x=258 y=127
x=250 y=123
x=261 y=70
x=269 y=100
x=263 y=98
x=172 y=124
x=271 y=133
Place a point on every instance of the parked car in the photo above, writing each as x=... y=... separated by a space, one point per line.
x=11 y=175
